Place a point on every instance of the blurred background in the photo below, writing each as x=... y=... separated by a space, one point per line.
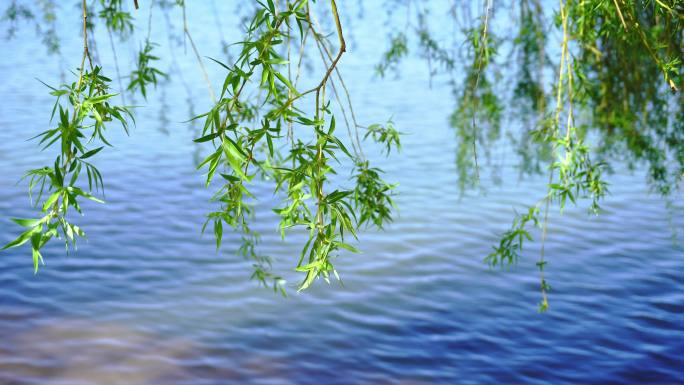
x=148 y=300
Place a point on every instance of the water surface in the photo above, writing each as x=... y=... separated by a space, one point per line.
x=148 y=301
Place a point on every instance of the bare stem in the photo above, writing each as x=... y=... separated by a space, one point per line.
x=197 y=55
x=86 y=54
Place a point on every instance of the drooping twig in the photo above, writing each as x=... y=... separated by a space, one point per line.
x=197 y=55
x=480 y=64
x=116 y=65
x=86 y=54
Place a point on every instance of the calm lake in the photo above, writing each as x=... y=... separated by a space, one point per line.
x=147 y=300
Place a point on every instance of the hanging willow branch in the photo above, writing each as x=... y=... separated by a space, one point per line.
x=617 y=75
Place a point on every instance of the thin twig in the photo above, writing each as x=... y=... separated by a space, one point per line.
x=349 y=101
x=85 y=45
x=149 y=21
x=116 y=65
x=339 y=102
x=480 y=64
x=622 y=19
x=197 y=55
x=325 y=52
x=333 y=65
x=559 y=106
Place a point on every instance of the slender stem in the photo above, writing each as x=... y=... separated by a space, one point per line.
x=197 y=55
x=559 y=107
x=333 y=65
x=339 y=102
x=480 y=66
x=85 y=44
x=69 y=154
x=116 y=65
x=622 y=19
x=149 y=22
x=345 y=89
x=320 y=95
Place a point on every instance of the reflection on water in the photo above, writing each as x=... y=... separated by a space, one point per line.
x=79 y=352
x=148 y=301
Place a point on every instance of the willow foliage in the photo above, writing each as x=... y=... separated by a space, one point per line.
x=606 y=91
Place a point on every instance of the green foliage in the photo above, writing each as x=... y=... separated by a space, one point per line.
x=116 y=18
x=386 y=135
x=42 y=19
x=245 y=143
x=614 y=78
x=145 y=74
x=616 y=81
x=390 y=60
x=433 y=52
x=372 y=196
x=511 y=244
x=81 y=122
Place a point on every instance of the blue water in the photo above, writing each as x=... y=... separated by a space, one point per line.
x=148 y=301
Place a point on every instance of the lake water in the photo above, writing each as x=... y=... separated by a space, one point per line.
x=148 y=301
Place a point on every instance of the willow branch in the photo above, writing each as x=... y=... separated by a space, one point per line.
x=333 y=65
x=328 y=54
x=480 y=65
x=197 y=55
x=86 y=54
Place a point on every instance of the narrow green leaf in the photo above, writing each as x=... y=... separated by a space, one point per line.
x=91 y=153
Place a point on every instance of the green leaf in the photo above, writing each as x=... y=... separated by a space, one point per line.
x=287 y=83
x=84 y=194
x=348 y=247
x=29 y=223
x=91 y=153
x=37 y=258
x=230 y=178
x=23 y=238
x=100 y=99
x=51 y=200
x=269 y=142
x=207 y=138
x=218 y=232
